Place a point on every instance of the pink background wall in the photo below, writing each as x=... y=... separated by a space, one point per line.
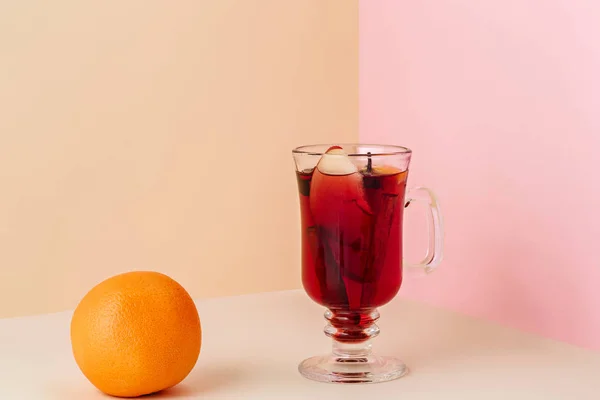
x=500 y=101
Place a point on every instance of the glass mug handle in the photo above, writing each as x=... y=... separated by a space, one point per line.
x=435 y=249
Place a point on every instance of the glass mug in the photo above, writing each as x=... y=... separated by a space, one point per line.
x=352 y=200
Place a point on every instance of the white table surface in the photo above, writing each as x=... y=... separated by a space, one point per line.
x=252 y=345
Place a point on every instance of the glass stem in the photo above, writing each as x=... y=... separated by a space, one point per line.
x=351 y=331
x=351 y=350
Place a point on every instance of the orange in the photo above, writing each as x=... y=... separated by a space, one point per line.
x=136 y=333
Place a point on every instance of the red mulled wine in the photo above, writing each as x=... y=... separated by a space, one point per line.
x=352 y=237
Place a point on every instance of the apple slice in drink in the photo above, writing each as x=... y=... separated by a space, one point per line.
x=336 y=192
x=339 y=209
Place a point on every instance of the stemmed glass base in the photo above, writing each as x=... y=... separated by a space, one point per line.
x=352 y=361
x=369 y=369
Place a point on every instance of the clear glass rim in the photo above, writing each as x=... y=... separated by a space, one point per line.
x=377 y=149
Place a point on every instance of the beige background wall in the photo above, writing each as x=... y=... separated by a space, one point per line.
x=157 y=135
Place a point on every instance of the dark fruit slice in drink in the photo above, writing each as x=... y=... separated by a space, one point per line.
x=330 y=281
x=384 y=190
